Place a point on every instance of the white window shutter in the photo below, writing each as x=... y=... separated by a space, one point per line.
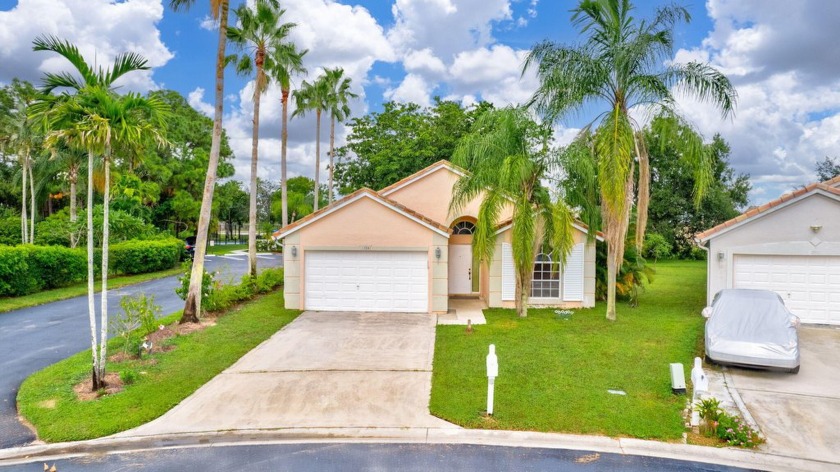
x=508 y=274
x=573 y=275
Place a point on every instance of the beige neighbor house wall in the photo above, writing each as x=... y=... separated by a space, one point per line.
x=784 y=231
x=495 y=276
x=365 y=225
x=431 y=194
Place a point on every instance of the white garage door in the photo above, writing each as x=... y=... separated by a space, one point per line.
x=810 y=285
x=366 y=281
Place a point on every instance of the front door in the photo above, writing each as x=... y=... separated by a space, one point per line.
x=460 y=269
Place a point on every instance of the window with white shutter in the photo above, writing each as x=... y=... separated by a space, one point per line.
x=573 y=275
x=508 y=274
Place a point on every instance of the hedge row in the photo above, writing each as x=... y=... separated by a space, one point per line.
x=26 y=268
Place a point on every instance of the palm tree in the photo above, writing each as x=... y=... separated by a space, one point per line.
x=287 y=61
x=619 y=66
x=313 y=97
x=339 y=96
x=192 y=305
x=22 y=137
x=98 y=119
x=508 y=156
x=258 y=35
x=69 y=160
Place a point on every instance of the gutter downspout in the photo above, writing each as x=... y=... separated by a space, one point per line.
x=708 y=268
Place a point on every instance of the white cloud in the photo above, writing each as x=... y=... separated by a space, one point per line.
x=424 y=62
x=196 y=100
x=494 y=74
x=413 y=88
x=208 y=23
x=788 y=117
x=101 y=29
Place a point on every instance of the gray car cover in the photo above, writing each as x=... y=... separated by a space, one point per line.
x=752 y=327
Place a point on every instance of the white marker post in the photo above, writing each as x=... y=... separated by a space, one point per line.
x=492 y=373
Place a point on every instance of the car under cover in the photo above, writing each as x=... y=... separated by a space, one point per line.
x=752 y=328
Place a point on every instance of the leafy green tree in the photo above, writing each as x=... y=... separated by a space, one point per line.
x=673 y=211
x=619 y=66
x=314 y=97
x=300 y=198
x=508 y=157
x=192 y=306
x=828 y=169
x=338 y=101
x=384 y=147
x=98 y=119
x=258 y=36
x=231 y=204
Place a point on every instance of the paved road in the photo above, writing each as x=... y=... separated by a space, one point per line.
x=369 y=457
x=33 y=338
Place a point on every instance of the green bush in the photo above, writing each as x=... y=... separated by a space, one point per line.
x=139 y=257
x=207 y=285
x=656 y=247
x=10 y=230
x=224 y=296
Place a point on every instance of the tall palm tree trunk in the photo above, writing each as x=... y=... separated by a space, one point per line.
x=95 y=380
x=616 y=223
x=106 y=234
x=252 y=212
x=317 y=157
x=284 y=137
x=31 y=201
x=24 y=219
x=192 y=306
x=332 y=152
x=74 y=177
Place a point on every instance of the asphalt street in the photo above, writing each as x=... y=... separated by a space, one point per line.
x=33 y=338
x=368 y=457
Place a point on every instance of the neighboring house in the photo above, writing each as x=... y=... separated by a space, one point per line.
x=790 y=245
x=400 y=250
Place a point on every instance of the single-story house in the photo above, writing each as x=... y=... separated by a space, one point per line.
x=790 y=245
x=400 y=250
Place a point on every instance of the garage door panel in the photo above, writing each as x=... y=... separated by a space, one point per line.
x=810 y=285
x=366 y=281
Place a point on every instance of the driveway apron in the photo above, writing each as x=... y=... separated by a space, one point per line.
x=324 y=370
x=799 y=414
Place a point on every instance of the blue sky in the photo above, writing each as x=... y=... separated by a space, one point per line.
x=779 y=54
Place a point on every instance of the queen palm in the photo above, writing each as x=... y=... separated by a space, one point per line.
x=314 y=97
x=192 y=306
x=22 y=137
x=287 y=61
x=258 y=35
x=98 y=119
x=339 y=96
x=508 y=157
x=620 y=67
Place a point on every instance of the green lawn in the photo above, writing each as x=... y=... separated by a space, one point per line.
x=46 y=399
x=77 y=290
x=226 y=248
x=554 y=374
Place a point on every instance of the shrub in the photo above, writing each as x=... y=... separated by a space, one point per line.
x=57 y=228
x=726 y=427
x=128 y=377
x=57 y=266
x=139 y=318
x=224 y=296
x=16 y=278
x=656 y=247
x=138 y=257
x=9 y=229
x=207 y=285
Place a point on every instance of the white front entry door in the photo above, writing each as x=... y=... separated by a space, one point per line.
x=388 y=281
x=460 y=269
x=810 y=285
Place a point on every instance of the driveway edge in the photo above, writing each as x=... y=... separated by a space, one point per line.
x=623 y=446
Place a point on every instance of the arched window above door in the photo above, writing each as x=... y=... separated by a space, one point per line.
x=463 y=227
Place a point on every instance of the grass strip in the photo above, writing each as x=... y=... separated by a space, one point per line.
x=554 y=373
x=77 y=290
x=46 y=399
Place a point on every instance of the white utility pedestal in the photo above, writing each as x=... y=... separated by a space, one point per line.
x=492 y=373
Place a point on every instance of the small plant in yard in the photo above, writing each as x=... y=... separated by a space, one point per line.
x=719 y=423
x=139 y=318
x=128 y=377
x=207 y=283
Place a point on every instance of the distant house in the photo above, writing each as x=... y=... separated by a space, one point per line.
x=400 y=250
x=790 y=245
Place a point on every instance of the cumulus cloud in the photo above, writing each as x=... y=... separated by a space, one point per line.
x=788 y=81
x=101 y=29
x=413 y=88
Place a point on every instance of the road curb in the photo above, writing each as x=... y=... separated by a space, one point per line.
x=622 y=446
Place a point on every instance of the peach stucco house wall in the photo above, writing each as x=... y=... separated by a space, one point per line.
x=402 y=248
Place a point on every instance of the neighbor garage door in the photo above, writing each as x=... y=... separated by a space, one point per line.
x=810 y=285
x=366 y=281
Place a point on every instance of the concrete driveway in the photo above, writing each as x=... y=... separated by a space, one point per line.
x=324 y=370
x=799 y=414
